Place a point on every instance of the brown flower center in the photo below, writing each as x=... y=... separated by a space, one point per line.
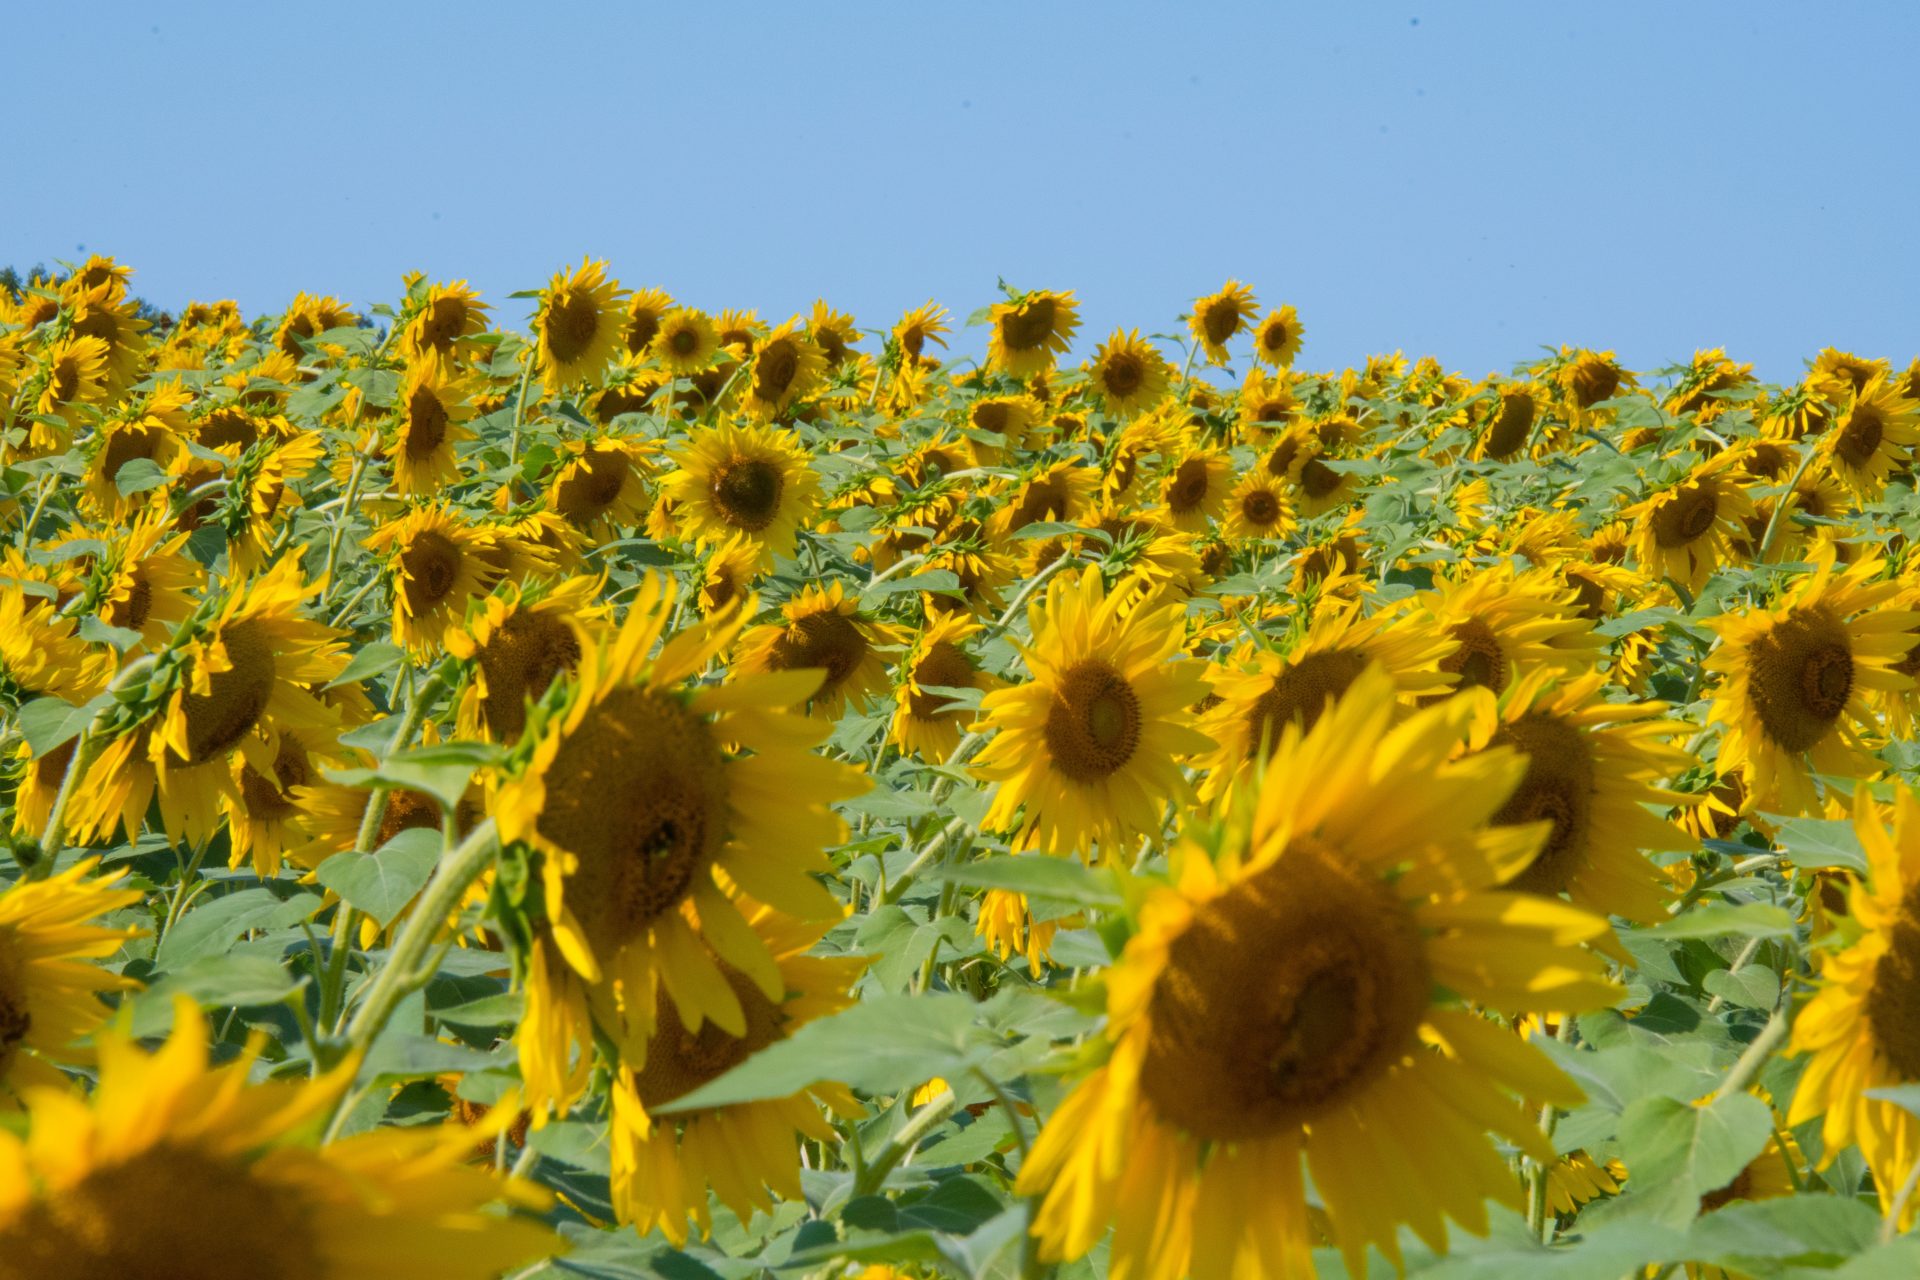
x=944 y=664
x=680 y=1061
x=426 y=423
x=1221 y=320
x=1480 y=660
x=1893 y=1002
x=1860 y=435
x=1260 y=508
x=593 y=486
x=430 y=567
x=1121 y=374
x=271 y=799
x=827 y=639
x=1029 y=326
x=1511 y=426
x=236 y=698
x=572 y=321
x=1187 y=489
x=1285 y=995
x=1298 y=695
x=638 y=794
x=747 y=492
x=168 y=1213
x=131 y=610
x=1557 y=788
x=775 y=369
x=1093 y=726
x=1800 y=675
x=521 y=661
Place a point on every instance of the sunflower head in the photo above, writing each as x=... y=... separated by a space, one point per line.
x=754 y=483
x=1030 y=330
x=786 y=366
x=578 y=322
x=1277 y=339
x=1220 y=317
x=1128 y=374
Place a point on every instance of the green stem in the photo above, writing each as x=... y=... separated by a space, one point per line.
x=1770 y=1038
x=873 y=1174
x=1781 y=504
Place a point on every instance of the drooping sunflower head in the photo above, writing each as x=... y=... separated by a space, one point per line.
x=1710 y=385
x=1220 y=317
x=1855 y=372
x=643 y=793
x=786 y=366
x=601 y=483
x=1514 y=413
x=445 y=319
x=687 y=341
x=1277 y=339
x=1056 y=493
x=579 y=323
x=750 y=482
x=520 y=640
x=307 y=318
x=834 y=332
x=646 y=308
x=1030 y=331
x=73 y=376
x=1128 y=374
x=434 y=405
x=730 y=571
x=918 y=327
x=824 y=632
x=1586 y=378
x=151 y=429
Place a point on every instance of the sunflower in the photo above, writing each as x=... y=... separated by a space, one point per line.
x=1594 y=774
x=307 y=318
x=1266 y=405
x=435 y=403
x=786 y=366
x=740 y=331
x=246 y=678
x=1260 y=690
x=1088 y=746
x=520 y=641
x=1219 y=317
x=834 y=332
x=642 y=793
x=48 y=990
x=1053 y=493
x=41 y=656
x=686 y=342
x=1277 y=339
x=268 y=820
x=1861 y=1031
x=1873 y=438
x=1848 y=370
x=1587 y=378
x=182 y=1168
x=1684 y=531
x=1515 y=411
x=1577 y=1178
x=997 y=425
x=1194 y=492
x=1128 y=374
x=646 y=308
x=1705 y=388
x=926 y=724
x=579 y=322
x=443 y=322
x=261 y=492
x=1029 y=331
x=1508 y=623
x=1792 y=697
x=600 y=485
x=823 y=632
x=749 y=482
x=920 y=326
x=1290 y=1001
x=665 y=1165
x=149 y=583
x=438 y=564
x=1258 y=508
x=1007 y=925
x=74 y=373
x=729 y=574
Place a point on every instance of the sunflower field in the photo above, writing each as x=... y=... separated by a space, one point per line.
x=657 y=793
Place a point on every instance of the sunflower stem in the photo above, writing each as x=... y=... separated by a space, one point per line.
x=1739 y=962
x=1763 y=1046
x=339 y=534
x=1781 y=504
x=1890 y=1226
x=39 y=505
x=520 y=410
x=874 y=1174
x=402 y=974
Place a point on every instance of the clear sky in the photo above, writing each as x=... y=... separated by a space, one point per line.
x=1470 y=180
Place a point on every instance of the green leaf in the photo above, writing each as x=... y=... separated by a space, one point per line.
x=879 y=1045
x=383 y=882
x=442 y=771
x=1806 y=1230
x=938 y=581
x=1752 y=986
x=47 y=723
x=1722 y=920
x=1039 y=876
x=374 y=659
x=96 y=630
x=209 y=928
x=1816 y=843
x=137 y=475
x=1679 y=1152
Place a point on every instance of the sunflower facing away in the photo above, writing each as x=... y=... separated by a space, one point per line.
x=1089 y=746
x=642 y=795
x=1288 y=1003
x=179 y=1168
x=1794 y=682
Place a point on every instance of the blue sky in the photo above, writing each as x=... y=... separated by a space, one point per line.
x=1465 y=180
